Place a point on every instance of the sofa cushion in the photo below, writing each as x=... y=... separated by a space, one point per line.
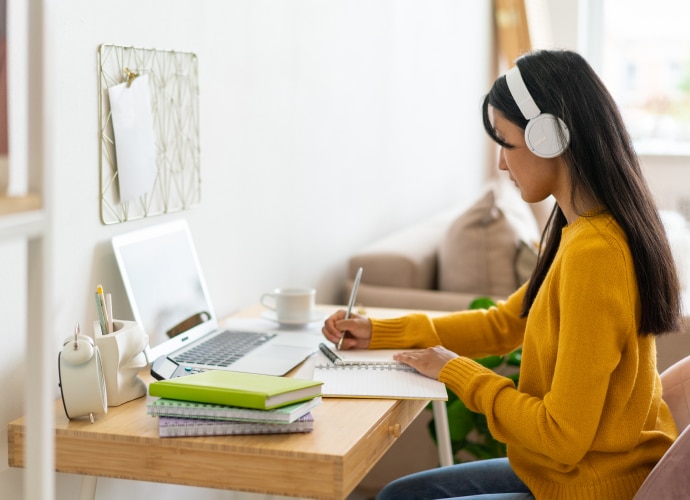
x=479 y=252
x=406 y=258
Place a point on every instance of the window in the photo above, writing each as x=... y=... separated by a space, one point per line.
x=642 y=52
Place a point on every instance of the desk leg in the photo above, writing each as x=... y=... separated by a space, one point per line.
x=445 y=452
x=88 y=488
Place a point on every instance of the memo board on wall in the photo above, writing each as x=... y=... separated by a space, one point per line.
x=174 y=89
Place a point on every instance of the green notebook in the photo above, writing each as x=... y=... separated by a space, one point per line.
x=246 y=390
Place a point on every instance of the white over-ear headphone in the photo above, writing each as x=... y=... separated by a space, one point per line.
x=546 y=135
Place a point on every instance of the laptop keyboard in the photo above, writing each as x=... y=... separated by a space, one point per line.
x=223 y=349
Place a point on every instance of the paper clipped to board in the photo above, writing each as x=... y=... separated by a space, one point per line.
x=135 y=147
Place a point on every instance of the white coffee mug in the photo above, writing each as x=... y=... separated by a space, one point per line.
x=291 y=305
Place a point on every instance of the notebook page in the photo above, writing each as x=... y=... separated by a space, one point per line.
x=369 y=356
x=375 y=381
x=363 y=356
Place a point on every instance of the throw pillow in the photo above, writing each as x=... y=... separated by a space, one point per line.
x=478 y=252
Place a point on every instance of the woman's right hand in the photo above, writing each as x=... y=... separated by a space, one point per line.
x=357 y=330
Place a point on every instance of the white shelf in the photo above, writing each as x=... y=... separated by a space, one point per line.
x=29 y=224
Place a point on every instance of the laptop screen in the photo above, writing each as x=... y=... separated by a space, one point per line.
x=164 y=284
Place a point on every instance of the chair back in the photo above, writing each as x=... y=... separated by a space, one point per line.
x=676 y=383
x=669 y=479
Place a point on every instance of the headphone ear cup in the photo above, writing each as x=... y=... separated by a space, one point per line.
x=547 y=136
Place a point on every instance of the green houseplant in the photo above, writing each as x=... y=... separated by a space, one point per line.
x=469 y=433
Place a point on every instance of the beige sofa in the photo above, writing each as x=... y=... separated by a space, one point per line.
x=482 y=247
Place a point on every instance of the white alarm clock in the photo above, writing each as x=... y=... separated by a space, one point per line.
x=82 y=384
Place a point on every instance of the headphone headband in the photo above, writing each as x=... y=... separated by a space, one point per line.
x=546 y=135
x=522 y=97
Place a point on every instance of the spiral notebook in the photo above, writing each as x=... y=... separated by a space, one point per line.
x=372 y=374
x=184 y=427
x=187 y=409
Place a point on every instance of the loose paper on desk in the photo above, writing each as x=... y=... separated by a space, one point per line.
x=135 y=147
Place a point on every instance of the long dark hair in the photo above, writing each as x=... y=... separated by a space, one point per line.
x=601 y=161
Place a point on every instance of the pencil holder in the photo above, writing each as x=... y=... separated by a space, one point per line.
x=123 y=357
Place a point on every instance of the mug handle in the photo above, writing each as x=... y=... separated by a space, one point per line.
x=271 y=297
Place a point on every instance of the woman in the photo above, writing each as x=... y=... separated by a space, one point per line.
x=587 y=420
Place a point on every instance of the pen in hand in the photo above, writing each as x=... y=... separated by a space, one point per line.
x=351 y=303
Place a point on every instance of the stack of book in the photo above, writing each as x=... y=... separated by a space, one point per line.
x=218 y=402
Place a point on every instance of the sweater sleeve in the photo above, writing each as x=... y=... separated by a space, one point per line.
x=476 y=334
x=415 y=331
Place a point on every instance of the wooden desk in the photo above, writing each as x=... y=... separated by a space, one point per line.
x=349 y=437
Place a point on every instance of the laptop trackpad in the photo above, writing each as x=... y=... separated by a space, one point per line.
x=278 y=351
x=272 y=359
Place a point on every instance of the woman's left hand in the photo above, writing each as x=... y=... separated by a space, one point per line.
x=428 y=362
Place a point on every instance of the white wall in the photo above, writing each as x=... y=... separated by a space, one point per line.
x=324 y=124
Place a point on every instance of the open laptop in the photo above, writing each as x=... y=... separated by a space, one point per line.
x=168 y=296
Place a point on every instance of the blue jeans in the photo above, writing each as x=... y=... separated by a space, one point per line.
x=481 y=480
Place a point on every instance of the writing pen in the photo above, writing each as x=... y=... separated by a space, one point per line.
x=351 y=303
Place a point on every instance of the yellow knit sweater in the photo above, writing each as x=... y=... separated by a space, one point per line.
x=587 y=420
